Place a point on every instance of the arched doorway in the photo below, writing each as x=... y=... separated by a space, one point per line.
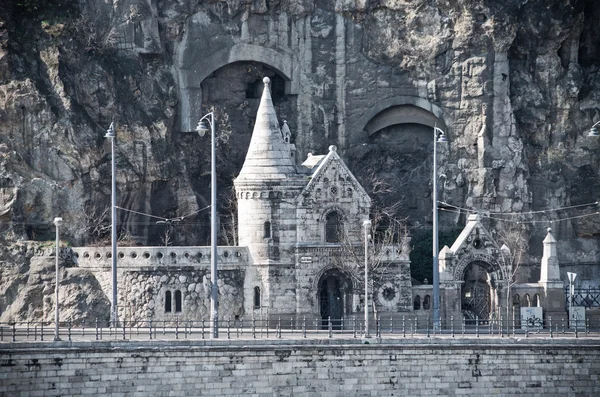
x=334 y=297
x=479 y=298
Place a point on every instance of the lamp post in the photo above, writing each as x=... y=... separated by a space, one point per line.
x=572 y=277
x=438 y=136
x=110 y=134
x=57 y=223
x=367 y=226
x=214 y=298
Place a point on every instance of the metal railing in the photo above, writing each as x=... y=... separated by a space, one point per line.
x=392 y=327
x=586 y=297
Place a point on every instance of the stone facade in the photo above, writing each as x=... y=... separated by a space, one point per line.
x=301 y=246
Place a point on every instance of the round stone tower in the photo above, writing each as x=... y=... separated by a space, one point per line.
x=266 y=191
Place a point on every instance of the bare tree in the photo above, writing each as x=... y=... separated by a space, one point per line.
x=511 y=234
x=228 y=228
x=387 y=238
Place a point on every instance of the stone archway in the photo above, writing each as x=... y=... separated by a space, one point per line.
x=479 y=292
x=334 y=294
x=195 y=66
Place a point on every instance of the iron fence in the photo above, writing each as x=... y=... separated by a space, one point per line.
x=315 y=328
x=586 y=297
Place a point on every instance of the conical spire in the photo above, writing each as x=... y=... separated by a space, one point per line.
x=268 y=155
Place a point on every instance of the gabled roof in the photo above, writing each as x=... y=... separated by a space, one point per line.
x=268 y=155
x=321 y=164
x=473 y=229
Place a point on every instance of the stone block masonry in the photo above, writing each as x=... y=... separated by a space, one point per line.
x=303 y=368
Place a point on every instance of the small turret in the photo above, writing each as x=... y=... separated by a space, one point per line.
x=268 y=155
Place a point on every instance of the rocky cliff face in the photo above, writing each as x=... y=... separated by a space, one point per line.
x=515 y=84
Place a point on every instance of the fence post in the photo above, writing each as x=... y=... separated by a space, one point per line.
x=550 y=322
x=124 y=325
x=501 y=329
x=150 y=328
x=304 y=327
x=14 y=330
x=526 y=329
x=391 y=324
x=452 y=326
x=379 y=326
x=477 y=326
x=228 y=327
x=96 y=328
x=253 y=327
x=428 y=327
x=329 y=326
x=177 y=328
x=354 y=326
x=403 y=327
x=28 y=329
x=202 y=325
x=278 y=332
x=587 y=326
x=69 y=329
x=42 y=331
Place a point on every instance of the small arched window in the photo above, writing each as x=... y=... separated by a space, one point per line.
x=177 y=301
x=168 y=302
x=527 y=300
x=333 y=227
x=536 y=301
x=426 y=302
x=417 y=303
x=516 y=300
x=256 y=297
x=267 y=229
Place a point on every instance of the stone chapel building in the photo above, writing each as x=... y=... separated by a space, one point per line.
x=301 y=254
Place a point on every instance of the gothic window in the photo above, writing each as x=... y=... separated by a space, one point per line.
x=333 y=227
x=256 y=297
x=177 y=301
x=267 y=229
x=536 y=301
x=426 y=302
x=417 y=303
x=527 y=300
x=516 y=300
x=168 y=302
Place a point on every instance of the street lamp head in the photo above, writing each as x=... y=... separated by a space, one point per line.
x=593 y=132
x=367 y=223
x=202 y=128
x=443 y=138
x=58 y=221
x=110 y=133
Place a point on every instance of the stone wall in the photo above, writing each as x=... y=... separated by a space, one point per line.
x=145 y=275
x=440 y=367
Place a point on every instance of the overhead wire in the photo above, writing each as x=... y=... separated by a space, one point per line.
x=521 y=213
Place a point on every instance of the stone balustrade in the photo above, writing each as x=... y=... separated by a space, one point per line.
x=135 y=257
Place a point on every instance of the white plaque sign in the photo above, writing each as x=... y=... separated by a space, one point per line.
x=531 y=317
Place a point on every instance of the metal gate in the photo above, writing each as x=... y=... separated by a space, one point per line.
x=476 y=302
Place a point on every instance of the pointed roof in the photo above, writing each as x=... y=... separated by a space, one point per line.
x=268 y=155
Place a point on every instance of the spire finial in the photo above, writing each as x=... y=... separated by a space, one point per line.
x=266 y=80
